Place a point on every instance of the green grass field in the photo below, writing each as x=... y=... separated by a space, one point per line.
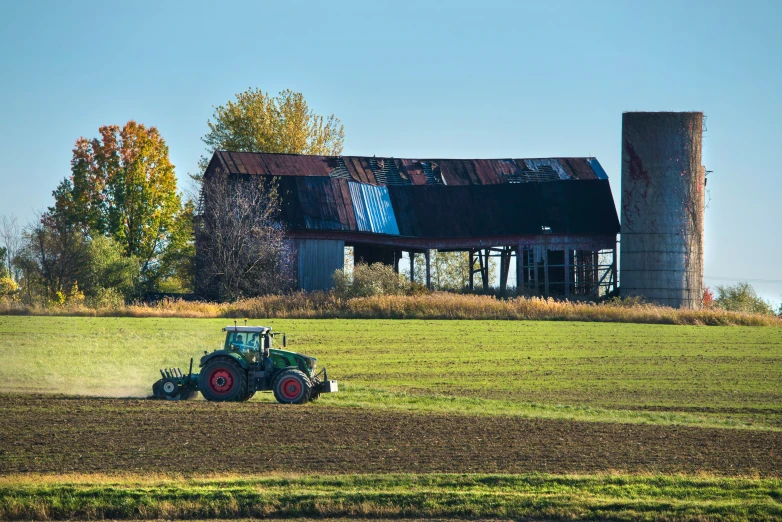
x=412 y=496
x=723 y=377
x=715 y=376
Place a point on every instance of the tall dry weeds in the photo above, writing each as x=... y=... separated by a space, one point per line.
x=436 y=305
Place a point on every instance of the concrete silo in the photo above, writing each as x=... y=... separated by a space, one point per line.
x=663 y=202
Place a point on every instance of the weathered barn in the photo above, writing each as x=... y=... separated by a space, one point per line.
x=553 y=219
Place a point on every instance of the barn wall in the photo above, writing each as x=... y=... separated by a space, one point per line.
x=318 y=258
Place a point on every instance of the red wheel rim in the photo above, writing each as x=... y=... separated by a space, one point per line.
x=221 y=381
x=290 y=388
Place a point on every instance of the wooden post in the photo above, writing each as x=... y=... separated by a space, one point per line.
x=567 y=271
x=483 y=257
x=472 y=268
x=613 y=268
x=428 y=270
x=519 y=270
x=412 y=266
x=505 y=254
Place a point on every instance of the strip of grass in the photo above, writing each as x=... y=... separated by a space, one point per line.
x=467 y=496
x=365 y=397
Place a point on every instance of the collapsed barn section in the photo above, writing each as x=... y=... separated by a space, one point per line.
x=548 y=225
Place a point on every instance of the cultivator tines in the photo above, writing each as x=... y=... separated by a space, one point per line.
x=172 y=373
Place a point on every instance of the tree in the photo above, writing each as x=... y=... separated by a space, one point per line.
x=741 y=297
x=11 y=241
x=53 y=259
x=257 y=122
x=122 y=186
x=241 y=247
x=109 y=268
x=448 y=270
x=177 y=263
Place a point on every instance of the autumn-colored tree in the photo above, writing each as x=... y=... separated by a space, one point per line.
x=122 y=185
x=258 y=122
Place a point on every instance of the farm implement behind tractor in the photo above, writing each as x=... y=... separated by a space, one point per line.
x=247 y=364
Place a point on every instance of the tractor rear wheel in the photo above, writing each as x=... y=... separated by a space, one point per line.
x=292 y=387
x=223 y=379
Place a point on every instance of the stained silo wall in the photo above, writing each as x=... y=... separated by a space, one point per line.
x=663 y=202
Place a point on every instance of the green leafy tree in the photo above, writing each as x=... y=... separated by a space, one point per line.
x=53 y=259
x=449 y=270
x=110 y=268
x=741 y=297
x=122 y=186
x=177 y=264
x=258 y=122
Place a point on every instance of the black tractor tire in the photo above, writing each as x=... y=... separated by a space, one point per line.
x=156 y=391
x=169 y=388
x=314 y=390
x=222 y=379
x=292 y=387
x=188 y=395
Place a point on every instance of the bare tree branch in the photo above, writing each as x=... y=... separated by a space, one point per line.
x=240 y=242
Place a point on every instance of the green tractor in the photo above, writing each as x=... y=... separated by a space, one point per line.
x=246 y=364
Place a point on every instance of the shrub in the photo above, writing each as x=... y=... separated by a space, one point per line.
x=369 y=280
x=8 y=286
x=708 y=298
x=106 y=299
x=741 y=297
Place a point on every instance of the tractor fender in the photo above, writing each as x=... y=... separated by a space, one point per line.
x=224 y=353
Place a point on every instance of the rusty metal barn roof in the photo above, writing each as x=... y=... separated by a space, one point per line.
x=435 y=198
x=401 y=171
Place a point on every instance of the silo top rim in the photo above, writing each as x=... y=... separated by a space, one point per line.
x=663 y=112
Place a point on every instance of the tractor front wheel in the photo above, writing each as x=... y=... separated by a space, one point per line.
x=223 y=380
x=292 y=387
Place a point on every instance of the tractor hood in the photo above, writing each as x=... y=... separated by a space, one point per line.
x=288 y=354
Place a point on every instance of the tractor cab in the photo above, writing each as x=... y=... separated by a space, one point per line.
x=252 y=342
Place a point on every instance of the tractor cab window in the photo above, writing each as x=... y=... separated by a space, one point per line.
x=235 y=339
x=243 y=341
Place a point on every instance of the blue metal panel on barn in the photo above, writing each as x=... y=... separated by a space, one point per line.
x=598 y=168
x=373 y=209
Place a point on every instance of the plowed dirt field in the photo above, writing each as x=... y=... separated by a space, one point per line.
x=58 y=434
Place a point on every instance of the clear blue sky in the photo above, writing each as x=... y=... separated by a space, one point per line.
x=447 y=79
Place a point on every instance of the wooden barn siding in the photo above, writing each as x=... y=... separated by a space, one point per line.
x=318 y=258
